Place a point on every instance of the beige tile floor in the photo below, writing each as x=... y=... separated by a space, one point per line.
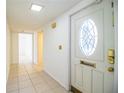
x=25 y=78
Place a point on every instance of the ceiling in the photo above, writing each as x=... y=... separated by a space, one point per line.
x=20 y=17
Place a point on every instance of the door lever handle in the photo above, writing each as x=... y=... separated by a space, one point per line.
x=88 y=64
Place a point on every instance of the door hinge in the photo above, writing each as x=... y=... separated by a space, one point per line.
x=112 y=4
x=113 y=19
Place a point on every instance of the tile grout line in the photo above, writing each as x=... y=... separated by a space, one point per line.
x=17 y=79
x=46 y=81
x=57 y=83
x=32 y=82
x=30 y=79
x=54 y=80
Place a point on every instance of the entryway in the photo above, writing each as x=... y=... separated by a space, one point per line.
x=25 y=48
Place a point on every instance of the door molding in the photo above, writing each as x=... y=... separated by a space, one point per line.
x=116 y=46
x=89 y=5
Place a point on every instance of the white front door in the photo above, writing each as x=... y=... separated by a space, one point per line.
x=92 y=36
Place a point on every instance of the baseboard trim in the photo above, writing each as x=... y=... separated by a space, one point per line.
x=74 y=90
x=64 y=86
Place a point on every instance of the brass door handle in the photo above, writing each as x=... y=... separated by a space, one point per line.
x=88 y=64
x=110 y=69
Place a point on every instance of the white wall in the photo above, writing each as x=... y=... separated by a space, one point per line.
x=15 y=54
x=8 y=50
x=56 y=62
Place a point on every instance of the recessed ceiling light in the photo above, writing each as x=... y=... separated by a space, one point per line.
x=35 y=7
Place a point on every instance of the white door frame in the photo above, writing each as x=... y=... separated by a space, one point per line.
x=116 y=46
x=35 y=55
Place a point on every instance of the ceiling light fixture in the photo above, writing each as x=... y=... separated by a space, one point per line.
x=35 y=7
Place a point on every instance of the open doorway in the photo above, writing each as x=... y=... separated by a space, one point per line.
x=25 y=48
x=39 y=64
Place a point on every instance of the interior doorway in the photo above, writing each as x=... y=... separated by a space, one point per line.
x=39 y=64
x=25 y=48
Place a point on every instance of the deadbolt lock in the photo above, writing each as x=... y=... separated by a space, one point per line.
x=110 y=69
x=111 y=56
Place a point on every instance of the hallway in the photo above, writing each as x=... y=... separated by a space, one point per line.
x=26 y=78
x=72 y=46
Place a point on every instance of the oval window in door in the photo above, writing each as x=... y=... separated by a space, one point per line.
x=88 y=37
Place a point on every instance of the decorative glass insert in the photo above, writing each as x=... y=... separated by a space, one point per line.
x=88 y=37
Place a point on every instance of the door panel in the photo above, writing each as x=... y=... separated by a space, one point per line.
x=98 y=82
x=92 y=76
x=97 y=18
x=87 y=79
x=78 y=76
x=109 y=84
